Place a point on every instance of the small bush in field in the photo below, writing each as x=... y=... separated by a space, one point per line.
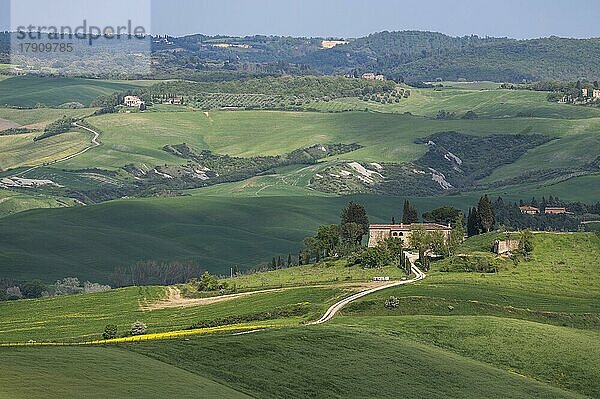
x=138 y=328
x=110 y=332
x=392 y=302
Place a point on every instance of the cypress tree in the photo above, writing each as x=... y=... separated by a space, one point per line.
x=486 y=214
x=473 y=223
x=410 y=214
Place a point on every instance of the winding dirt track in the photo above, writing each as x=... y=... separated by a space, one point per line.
x=175 y=300
x=94 y=143
x=331 y=312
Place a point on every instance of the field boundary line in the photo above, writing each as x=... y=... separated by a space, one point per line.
x=236 y=329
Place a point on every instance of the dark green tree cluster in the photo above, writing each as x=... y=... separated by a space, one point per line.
x=481 y=219
x=444 y=215
x=337 y=240
x=410 y=214
x=509 y=216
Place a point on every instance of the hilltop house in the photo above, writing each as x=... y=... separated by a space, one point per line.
x=555 y=210
x=132 y=101
x=372 y=76
x=380 y=232
x=529 y=210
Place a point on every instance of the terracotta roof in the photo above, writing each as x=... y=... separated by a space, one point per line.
x=528 y=208
x=408 y=227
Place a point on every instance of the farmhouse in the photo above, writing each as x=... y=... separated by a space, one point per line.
x=132 y=101
x=380 y=232
x=529 y=210
x=555 y=210
x=372 y=76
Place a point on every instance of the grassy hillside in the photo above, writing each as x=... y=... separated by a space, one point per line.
x=215 y=232
x=529 y=331
x=20 y=150
x=485 y=103
x=28 y=91
x=78 y=318
x=326 y=362
x=560 y=285
x=100 y=373
x=13 y=202
x=38 y=118
x=139 y=138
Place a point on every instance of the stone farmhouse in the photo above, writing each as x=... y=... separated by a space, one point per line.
x=380 y=232
x=555 y=210
x=132 y=101
x=593 y=93
x=529 y=210
x=372 y=76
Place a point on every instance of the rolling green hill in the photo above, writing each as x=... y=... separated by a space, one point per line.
x=100 y=373
x=216 y=232
x=28 y=91
x=529 y=331
x=342 y=362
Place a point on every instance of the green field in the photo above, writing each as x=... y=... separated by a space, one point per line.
x=215 y=232
x=81 y=318
x=139 y=138
x=20 y=150
x=29 y=91
x=100 y=373
x=327 y=272
x=342 y=362
x=13 y=202
x=560 y=285
x=485 y=103
x=38 y=118
x=529 y=331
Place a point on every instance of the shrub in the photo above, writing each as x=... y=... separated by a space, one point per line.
x=299 y=309
x=110 y=332
x=90 y=288
x=139 y=328
x=67 y=286
x=392 y=302
x=473 y=263
x=14 y=293
x=33 y=289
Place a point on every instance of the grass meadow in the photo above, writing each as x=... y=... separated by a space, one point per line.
x=139 y=137
x=94 y=372
x=29 y=91
x=81 y=318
